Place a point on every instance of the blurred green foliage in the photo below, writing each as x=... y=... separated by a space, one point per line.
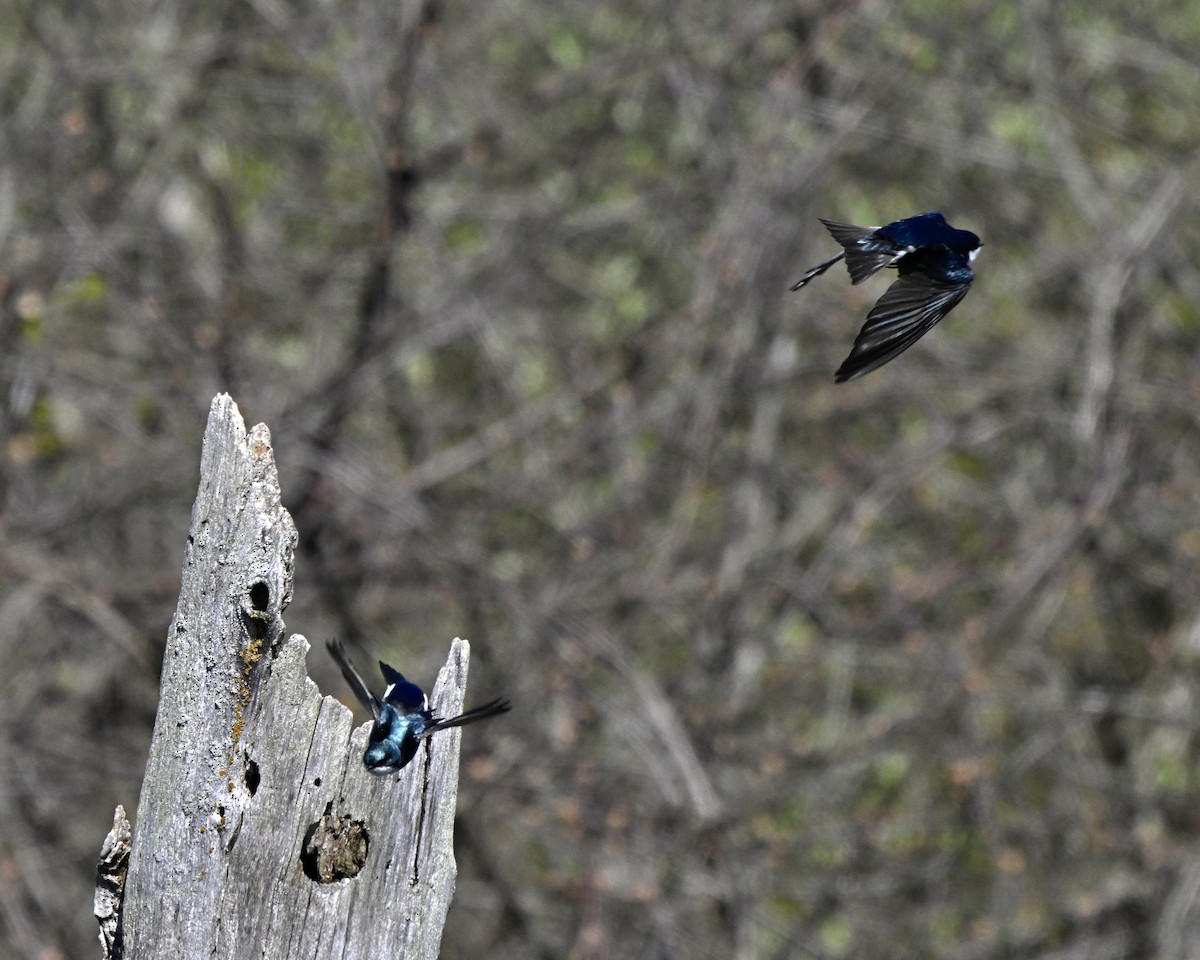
x=897 y=668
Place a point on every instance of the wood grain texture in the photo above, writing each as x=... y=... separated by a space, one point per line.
x=249 y=763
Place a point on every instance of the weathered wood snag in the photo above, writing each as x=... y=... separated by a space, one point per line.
x=258 y=832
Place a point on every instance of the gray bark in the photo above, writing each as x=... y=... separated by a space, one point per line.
x=258 y=832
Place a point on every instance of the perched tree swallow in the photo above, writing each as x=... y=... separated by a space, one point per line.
x=934 y=261
x=402 y=717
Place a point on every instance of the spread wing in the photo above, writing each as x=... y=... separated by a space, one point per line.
x=354 y=679
x=490 y=709
x=909 y=309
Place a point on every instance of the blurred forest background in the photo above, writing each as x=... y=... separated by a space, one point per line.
x=902 y=668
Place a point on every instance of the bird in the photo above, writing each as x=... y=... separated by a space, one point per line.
x=934 y=263
x=402 y=718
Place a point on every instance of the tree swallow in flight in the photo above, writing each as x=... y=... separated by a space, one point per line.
x=402 y=716
x=934 y=262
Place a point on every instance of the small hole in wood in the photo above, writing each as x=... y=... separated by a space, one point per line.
x=253 y=777
x=260 y=596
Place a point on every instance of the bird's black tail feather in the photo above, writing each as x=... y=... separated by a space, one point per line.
x=816 y=271
x=865 y=253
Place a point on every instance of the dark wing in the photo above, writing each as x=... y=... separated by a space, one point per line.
x=354 y=679
x=911 y=306
x=865 y=250
x=402 y=693
x=490 y=709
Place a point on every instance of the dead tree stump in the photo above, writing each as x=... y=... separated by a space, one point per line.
x=258 y=831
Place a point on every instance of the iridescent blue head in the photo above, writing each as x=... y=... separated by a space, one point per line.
x=402 y=718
